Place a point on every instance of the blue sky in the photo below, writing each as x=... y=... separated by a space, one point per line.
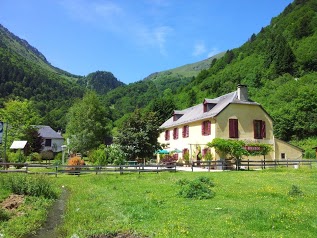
x=134 y=38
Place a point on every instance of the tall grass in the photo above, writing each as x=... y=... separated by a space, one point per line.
x=23 y=184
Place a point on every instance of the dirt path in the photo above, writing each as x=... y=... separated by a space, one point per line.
x=54 y=218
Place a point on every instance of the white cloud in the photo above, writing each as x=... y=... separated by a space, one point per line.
x=213 y=52
x=199 y=49
x=120 y=19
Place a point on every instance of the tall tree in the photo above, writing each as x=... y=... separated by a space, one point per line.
x=163 y=107
x=138 y=135
x=88 y=123
x=20 y=116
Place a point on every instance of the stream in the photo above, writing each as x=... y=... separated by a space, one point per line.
x=54 y=218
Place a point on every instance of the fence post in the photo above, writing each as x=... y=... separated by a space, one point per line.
x=287 y=163
x=248 y=164
x=209 y=164
x=26 y=168
x=192 y=166
x=275 y=163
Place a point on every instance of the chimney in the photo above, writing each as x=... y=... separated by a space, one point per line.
x=242 y=92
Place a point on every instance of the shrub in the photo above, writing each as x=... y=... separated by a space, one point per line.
x=168 y=159
x=4 y=215
x=17 y=157
x=295 y=191
x=47 y=155
x=75 y=161
x=199 y=188
x=22 y=184
x=35 y=157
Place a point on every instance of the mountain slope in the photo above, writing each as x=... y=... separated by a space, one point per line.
x=279 y=65
x=177 y=77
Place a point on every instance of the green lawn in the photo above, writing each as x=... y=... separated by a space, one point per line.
x=246 y=204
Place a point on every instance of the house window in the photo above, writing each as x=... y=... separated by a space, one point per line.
x=185 y=131
x=259 y=129
x=48 y=142
x=175 y=133
x=206 y=128
x=167 y=135
x=233 y=128
x=283 y=156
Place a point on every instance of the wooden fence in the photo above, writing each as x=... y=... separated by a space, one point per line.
x=77 y=170
x=252 y=164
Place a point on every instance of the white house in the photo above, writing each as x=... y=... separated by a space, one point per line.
x=52 y=140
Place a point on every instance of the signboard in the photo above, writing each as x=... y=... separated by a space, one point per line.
x=252 y=148
x=1 y=131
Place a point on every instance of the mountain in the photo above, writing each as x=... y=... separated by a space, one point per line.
x=25 y=73
x=279 y=65
x=100 y=81
x=177 y=77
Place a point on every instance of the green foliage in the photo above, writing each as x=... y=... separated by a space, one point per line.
x=17 y=157
x=295 y=191
x=88 y=123
x=35 y=157
x=35 y=141
x=4 y=215
x=29 y=185
x=138 y=135
x=20 y=116
x=100 y=81
x=115 y=154
x=227 y=147
x=47 y=155
x=199 y=188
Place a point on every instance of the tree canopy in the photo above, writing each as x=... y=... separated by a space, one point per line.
x=138 y=135
x=88 y=123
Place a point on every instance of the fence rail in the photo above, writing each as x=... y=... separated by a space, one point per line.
x=82 y=169
x=251 y=164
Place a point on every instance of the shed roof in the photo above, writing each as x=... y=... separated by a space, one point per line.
x=18 y=144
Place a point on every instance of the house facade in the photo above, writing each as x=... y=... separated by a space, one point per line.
x=231 y=116
x=52 y=140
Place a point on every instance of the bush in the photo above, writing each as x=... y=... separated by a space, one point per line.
x=35 y=157
x=17 y=157
x=4 y=215
x=199 y=188
x=75 y=161
x=22 y=184
x=47 y=155
x=295 y=191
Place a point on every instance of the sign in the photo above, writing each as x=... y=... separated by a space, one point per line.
x=252 y=148
x=1 y=131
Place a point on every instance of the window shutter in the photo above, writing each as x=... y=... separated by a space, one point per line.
x=233 y=128
x=167 y=135
x=263 y=130
x=254 y=129
x=203 y=128
x=187 y=131
x=208 y=127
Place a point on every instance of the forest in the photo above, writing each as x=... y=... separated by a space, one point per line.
x=278 y=64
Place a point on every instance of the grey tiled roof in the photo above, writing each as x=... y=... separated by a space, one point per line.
x=48 y=132
x=197 y=113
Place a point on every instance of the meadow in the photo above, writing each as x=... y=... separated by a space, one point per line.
x=268 y=203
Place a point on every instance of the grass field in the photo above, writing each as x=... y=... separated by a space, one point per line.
x=246 y=204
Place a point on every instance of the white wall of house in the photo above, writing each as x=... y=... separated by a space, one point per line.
x=56 y=145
